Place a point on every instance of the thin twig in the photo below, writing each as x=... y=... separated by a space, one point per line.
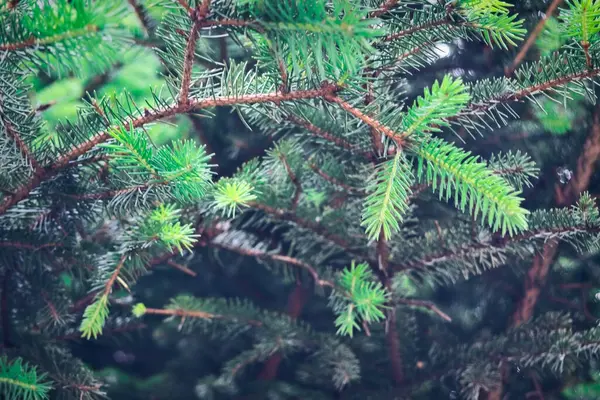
x=532 y=37
x=194 y=104
x=182 y=268
x=426 y=304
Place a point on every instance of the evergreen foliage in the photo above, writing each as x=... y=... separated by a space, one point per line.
x=373 y=195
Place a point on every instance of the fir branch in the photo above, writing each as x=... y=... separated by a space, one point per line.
x=140 y=310
x=384 y=8
x=416 y=29
x=34 y=42
x=188 y=58
x=425 y=304
x=19 y=380
x=336 y=182
x=194 y=104
x=367 y=120
x=21 y=145
x=295 y=181
x=277 y=257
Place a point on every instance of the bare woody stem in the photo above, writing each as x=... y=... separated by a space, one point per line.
x=294 y=178
x=277 y=257
x=369 y=121
x=534 y=34
x=384 y=8
x=37 y=42
x=316 y=131
x=193 y=314
x=43 y=174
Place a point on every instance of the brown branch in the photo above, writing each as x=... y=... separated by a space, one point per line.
x=380 y=268
x=303 y=123
x=418 y=28
x=531 y=39
x=21 y=145
x=276 y=257
x=387 y=6
x=306 y=224
x=40 y=176
x=142 y=15
x=228 y=22
x=295 y=181
x=370 y=121
x=538 y=273
x=336 y=182
x=182 y=268
x=193 y=314
x=425 y=304
x=190 y=52
x=114 y=275
x=474 y=109
x=37 y=42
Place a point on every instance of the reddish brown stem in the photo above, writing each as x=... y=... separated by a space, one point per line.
x=369 y=121
x=63 y=161
x=425 y=304
x=335 y=181
x=415 y=29
x=295 y=181
x=193 y=314
x=533 y=36
x=113 y=277
x=188 y=58
x=182 y=268
x=277 y=257
x=37 y=42
x=386 y=7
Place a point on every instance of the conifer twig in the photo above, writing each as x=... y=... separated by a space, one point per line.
x=391 y=334
x=426 y=304
x=295 y=181
x=34 y=42
x=533 y=36
x=336 y=182
x=369 y=121
x=384 y=8
x=193 y=314
x=296 y=301
x=194 y=104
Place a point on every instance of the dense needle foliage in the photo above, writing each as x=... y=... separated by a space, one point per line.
x=424 y=246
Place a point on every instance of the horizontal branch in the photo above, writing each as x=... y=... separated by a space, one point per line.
x=43 y=174
x=503 y=242
x=425 y=304
x=277 y=257
x=369 y=121
x=37 y=42
x=193 y=314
